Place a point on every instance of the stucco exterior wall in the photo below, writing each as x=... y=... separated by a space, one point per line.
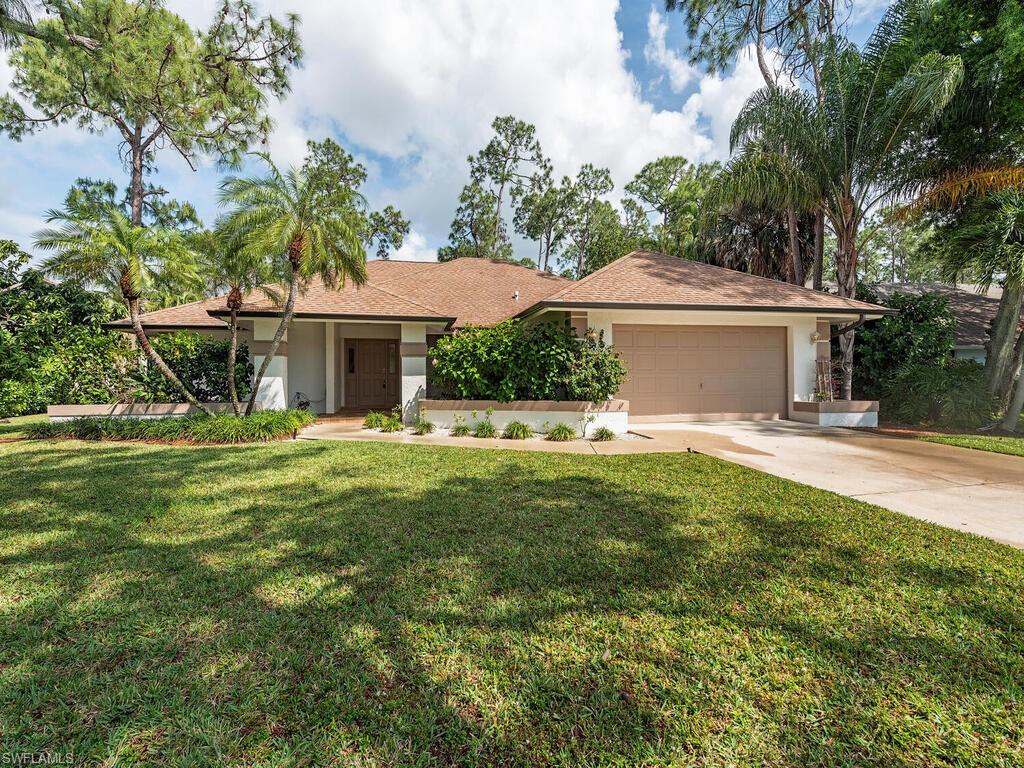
x=307 y=372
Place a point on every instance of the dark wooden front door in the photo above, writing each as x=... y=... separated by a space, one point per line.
x=371 y=373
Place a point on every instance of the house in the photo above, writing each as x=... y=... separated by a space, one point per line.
x=699 y=342
x=973 y=311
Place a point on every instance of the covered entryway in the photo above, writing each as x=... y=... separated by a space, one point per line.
x=371 y=373
x=703 y=372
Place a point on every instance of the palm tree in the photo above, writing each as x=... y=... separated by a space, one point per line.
x=989 y=244
x=852 y=150
x=306 y=224
x=228 y=266
x=123 y=259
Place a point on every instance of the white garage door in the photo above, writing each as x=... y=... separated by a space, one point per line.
x=694 y=372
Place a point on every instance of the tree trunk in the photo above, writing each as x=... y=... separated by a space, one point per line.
x=286 y=318
x=819 y=249
x=135 y=184
x=232 y=354
x=796 y=266
x=846 y=275
x=154 y=356
x=1011 y=420
x=999 y=360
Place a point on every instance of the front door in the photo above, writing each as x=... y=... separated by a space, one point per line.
x=371 y=373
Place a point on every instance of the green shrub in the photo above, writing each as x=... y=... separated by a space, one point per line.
x=423 y=427
x=485 y=428
x=459 y=427
x=374 y=420
x=201 y=364
x=520 y=361
x=517 y=430
x=951 y=395
x=392 y=423
x=560 y=433
x=923 y=333
x=602 y=435
x=261 y=426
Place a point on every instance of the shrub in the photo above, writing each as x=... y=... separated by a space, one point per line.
x=485 y=428
x=602 y=435
x=923 y=333
x=374 y=420
x=560 y=433
x=201 y=364
x=392 y=424
x=423 y=427
x=459 y=427
x=261 y=426
x=518 y=361
x=951 y=395
x=517 y=430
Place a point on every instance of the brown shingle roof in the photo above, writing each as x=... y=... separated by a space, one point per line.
x=192 y=315
x=973 y=311
x=644 y=279
x=459 y=292
x=477 y=291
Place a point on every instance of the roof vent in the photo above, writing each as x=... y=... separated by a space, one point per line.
x=515 y=296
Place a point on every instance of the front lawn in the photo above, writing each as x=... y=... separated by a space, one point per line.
x=375 y=604
x=17 y=427
x=1014 y=446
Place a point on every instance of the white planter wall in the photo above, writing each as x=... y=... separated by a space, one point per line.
x=583 y=416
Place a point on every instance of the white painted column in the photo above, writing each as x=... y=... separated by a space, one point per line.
x=273 y=392
x=330 y=406
x=413 y=353
x=802 y=353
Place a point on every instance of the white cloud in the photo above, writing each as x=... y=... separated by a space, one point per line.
x=719 y=100
x=680 y=72
x=414 y=248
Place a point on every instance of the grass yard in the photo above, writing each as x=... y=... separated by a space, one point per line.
x=1014 y=446
x=374 y=604
x=15 y=427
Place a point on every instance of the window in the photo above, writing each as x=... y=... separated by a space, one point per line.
x=351 y=359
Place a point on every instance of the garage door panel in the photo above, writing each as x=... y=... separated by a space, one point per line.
x=704 y=372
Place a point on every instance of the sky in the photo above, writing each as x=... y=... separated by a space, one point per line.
x=410 y=88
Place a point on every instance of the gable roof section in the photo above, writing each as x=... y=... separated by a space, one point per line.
x=195 y=314
x=649 y=280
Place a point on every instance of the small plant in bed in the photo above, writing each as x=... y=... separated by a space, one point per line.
x=560 y=433
x=262 y=426
x=374 y=420
x=422 y=427
x=459 y=427
x=517 y=430
x=602 y=435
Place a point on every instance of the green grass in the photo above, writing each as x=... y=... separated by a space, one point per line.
x=376 y=604
x=18 y=426
x=1014 y=446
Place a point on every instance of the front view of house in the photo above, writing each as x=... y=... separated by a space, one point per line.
x=700 y=343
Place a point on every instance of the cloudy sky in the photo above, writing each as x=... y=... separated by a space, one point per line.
x=411 y=88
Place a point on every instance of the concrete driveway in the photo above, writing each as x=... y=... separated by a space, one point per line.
x=955 y=487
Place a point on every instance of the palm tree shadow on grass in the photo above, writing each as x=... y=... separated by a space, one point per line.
x=487 y=616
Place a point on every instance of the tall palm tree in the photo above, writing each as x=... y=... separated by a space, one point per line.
x=228 y=266
x=852 y=150
x=306 y=224
x=123 y=259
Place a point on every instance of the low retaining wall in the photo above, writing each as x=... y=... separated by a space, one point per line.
x=584 y=416
x=838 y=413
x=132 y=410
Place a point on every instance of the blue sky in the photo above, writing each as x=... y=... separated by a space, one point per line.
x=411 y=88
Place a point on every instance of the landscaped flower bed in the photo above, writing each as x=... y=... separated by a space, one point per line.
x=263 y=426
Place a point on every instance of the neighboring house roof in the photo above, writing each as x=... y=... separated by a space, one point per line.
x=648 y=280
x=973 y=311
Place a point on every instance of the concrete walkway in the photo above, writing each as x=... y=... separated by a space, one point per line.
x=956 y=487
